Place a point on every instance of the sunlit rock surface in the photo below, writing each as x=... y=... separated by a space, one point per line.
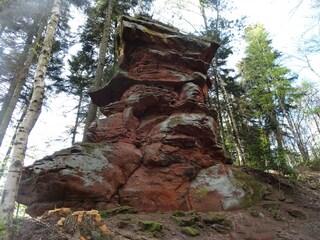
x=156 y=149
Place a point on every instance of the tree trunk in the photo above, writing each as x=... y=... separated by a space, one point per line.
x=203 y=14
x=17 y=84
x=4 y=162
x=221 y=127
x=297 y=137
x=216 y=84
x=13 y=83
x=2 y=28
x=10 y=189
x=233 y=122
x=76 y=124
x=295 y=131
x=92 y=112
x=316 y=121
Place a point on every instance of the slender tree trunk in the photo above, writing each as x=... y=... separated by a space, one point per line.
x=2 y=28
x=92 y=112
x=221 y=127
x=203 y=14
x=315 y=149
x=316 y=121
x=16 y=87
x=13 y=83
x=216 y=84
x=275 y=128
x=8 y=197
x=233 y=122
x=295 y=131
x=4 y=162
x=8 y=153
x=76 y=124
x=297 y=136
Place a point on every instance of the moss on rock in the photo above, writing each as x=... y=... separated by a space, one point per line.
x=254 y=190
x=215 y=218
x=117 y=210
x=190 y=231
x=150 y=226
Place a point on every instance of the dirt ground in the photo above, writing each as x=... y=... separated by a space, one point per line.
x=290 y=210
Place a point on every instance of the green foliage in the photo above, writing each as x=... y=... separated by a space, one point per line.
x=3 y=230
x=315 y=164
x=268 y=97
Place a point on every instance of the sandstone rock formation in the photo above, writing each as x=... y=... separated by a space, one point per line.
x=156 y=149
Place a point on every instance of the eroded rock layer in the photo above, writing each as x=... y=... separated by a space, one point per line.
x=156 y=149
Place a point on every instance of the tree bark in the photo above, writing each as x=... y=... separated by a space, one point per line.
x=14 y=81
x=4 y=162
x=221 y=127
x=10 y=189
x=2 y=28
x=76 y=124
x=297 y=136
x=92 y=112
x=233 y=122
x=17 y=84
x=203 y=14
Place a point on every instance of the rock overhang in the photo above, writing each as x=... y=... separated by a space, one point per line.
x=152 y=53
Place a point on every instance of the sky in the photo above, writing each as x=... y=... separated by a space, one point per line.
x=285 y=23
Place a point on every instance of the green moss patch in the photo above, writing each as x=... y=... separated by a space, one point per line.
x=216 y=221
x=118 y=210
x=190 y=231
x=184 y=219
x=215 y=218
x=150 y=226
x=254 y=190
x=202 y=192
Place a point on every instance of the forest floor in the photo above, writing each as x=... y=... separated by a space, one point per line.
x=290 y=210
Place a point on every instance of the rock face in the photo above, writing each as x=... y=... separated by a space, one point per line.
x=156 y=149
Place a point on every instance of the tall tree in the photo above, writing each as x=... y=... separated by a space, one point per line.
x=18 y=73
x=91 y=115
x=222 y=30
x=267 y=85
x=7 y=203
x=110 y=10
x=19 y=79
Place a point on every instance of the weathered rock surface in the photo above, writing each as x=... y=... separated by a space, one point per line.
x=156 y=149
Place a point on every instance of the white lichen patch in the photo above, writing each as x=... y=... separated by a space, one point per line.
x=84 y=165
x=210 y=180
x=197 y=120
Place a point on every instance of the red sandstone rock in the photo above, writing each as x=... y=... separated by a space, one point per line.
x=87 y=173
x=156 y=149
